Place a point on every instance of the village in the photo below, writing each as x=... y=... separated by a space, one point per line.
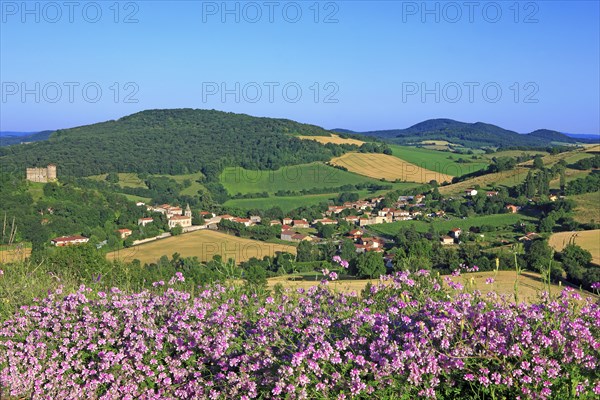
x=358 y=215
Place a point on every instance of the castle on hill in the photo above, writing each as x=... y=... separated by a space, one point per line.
x=43 y=175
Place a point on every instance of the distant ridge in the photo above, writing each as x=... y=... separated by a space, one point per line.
x=9 y=138
x=478 y=134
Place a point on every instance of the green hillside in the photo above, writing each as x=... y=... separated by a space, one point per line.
x=496 y=220
x=439 y=161
x=295 y=178
x=174 y=142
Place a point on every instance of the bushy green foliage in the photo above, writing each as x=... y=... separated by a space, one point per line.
x=174 y=142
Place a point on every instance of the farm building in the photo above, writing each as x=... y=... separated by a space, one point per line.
x=69 y=240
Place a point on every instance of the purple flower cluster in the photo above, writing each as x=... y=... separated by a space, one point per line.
x=405 y=337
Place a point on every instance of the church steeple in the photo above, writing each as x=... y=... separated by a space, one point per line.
x=188 y=211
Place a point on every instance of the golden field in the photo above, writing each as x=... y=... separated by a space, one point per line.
x=505 y=178
x=530 y=284
x=390 y=168
x=335 y=139
x=14 y=253
x=589 y=240
x=203 y=244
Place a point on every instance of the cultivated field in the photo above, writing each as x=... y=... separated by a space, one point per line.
x=14 y=253
x=589 y=240
x=294 y=177
x=588 y=207
x=203 y=244
x=515 y=153
x=390 y=168
x=505 y=178
x=439 y=161
x=593 y=148
x=287 y=203
x=500 y=221
x=530 y=284
x=570 y=175
x=335 y=139
x=125 y=179
x=568 y=156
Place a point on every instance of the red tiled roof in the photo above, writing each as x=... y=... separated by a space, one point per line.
x=69 y=238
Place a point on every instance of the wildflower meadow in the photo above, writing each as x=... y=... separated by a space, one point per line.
x=410 y=336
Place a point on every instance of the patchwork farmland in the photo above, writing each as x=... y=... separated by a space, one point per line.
x=390 y=168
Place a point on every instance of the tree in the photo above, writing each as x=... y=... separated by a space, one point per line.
x=538 y=163
x=112 y=177
x=575 y=259
x=370 y=265
x=538 y=255
x=326 y=231
x=176 y=230
x=256 y=275
x=197 y=219
x=347 y=250
x=306 y=252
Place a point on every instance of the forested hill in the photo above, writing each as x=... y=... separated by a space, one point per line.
x=174 y=141
x=476 y=134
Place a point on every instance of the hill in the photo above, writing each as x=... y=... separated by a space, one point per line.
x=476 y=134
x=10 y=138
x=178 y=141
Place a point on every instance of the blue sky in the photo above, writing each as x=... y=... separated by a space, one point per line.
x=350 y=64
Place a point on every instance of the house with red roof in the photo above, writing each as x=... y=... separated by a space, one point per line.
x=145 y=221
x=69 y=240
x=301 y=223
x=124 y=232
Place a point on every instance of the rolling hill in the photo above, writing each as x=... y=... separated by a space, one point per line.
x=178 y=141
x=476 y=134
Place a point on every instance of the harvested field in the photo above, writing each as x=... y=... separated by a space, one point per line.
x=390 y=168
x=203 y=244
x=335 y=139
x=505 y=178
x=589 y=240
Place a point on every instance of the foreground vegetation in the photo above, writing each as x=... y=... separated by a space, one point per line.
x=405 y=337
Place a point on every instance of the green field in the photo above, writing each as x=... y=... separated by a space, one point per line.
x=36 y=190
x=290 y=203
x=439 y=161
x=497 y=220
x=515 y=153
x=587 y=207
x=126 y=179
x=137 y=198
x=296 y=177
x=194 y=188
x=133 y=181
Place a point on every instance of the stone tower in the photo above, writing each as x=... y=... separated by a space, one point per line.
x=42 y=175
x=188 y=211
x=51 y=172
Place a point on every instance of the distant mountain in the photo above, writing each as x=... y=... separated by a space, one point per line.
x=13 y=133
x=476 y=134
x=177 y=141
x=10 y=138
x=340 y=130
x=595 y=138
